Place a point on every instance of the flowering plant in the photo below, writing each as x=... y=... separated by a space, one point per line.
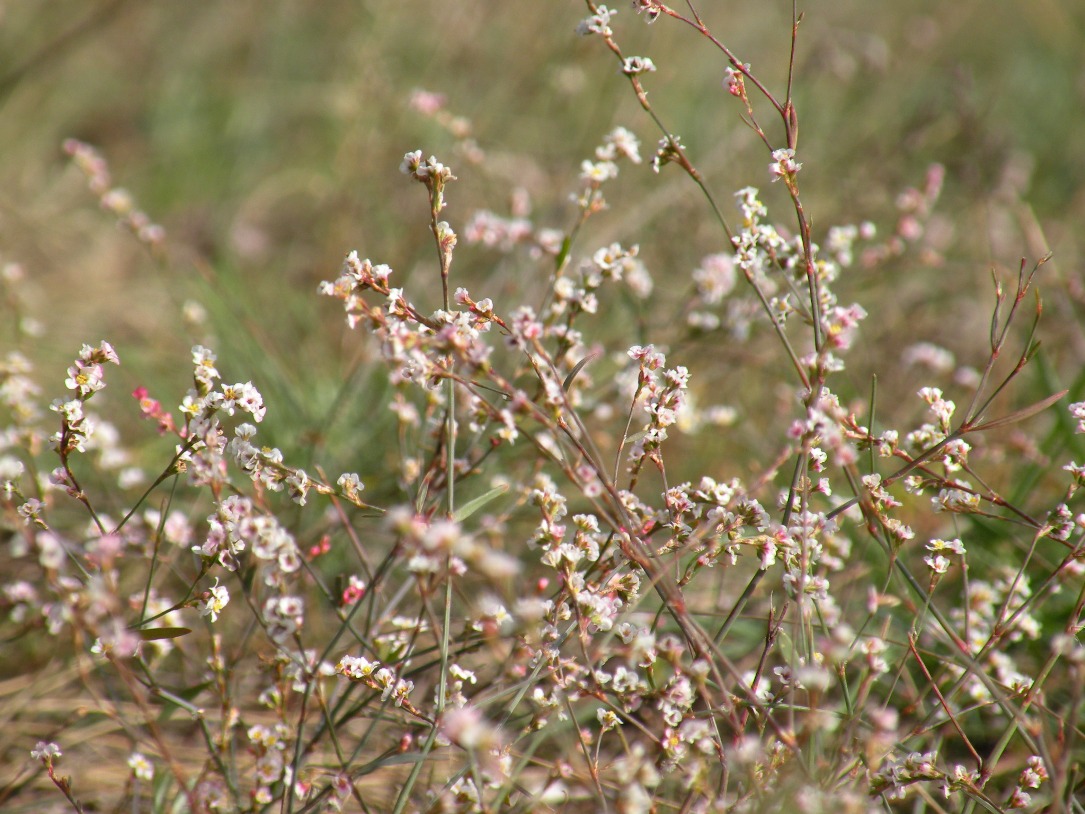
x=545 y=598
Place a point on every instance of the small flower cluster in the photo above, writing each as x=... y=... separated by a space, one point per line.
x=492 y=230
x=46 y=752
x=206 y=449
x=784 y=166
x=113 y=199
x=205 y=439
x=418 y=347
x=283 y=616
x=664 y=399
x=428 y=543
x=897 y=773
x=434 y=106
x=699 y=637
x=997 y=613
x=651 y=9
x=85 y=377
x=265 y=466
x=495 y=231
x=270 y=745
x=598 y=601
x=938 y=561
x=619 y=144
x=433 y=174
x=597 y=23
x=1031 y=778
x=1077 y=411
x=236 y=526
x=382 y=679
x=771 y=262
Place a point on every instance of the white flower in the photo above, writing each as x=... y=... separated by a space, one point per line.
x=141 y=767
x=356 y=667
x=631 y=66
x=938 y=564
x=217 y=599
x=596 y=172
x=784 y=164
x=45 y=751
x=598 y=23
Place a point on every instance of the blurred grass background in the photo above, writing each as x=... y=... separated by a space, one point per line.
x=266 y=138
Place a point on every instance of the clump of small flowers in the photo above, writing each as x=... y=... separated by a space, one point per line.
x=1032 y=777
x=46 y=752
x=898 y=773
x=49 y=754
x=553 y=606
x=86 y=377
x=597 y=23
x=784 y=166
x=113 y=199
x=381 y=679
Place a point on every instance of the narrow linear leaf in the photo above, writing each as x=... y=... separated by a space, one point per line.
x=565 y=385
x=180 y=699
x=1020 y=415
x=423 y=493
x=472 y=506
x=155 y=633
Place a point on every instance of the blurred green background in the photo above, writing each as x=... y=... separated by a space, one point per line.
x=266 y=137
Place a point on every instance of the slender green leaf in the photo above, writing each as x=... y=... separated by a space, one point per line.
x=1020 y=415
x=472 y=506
